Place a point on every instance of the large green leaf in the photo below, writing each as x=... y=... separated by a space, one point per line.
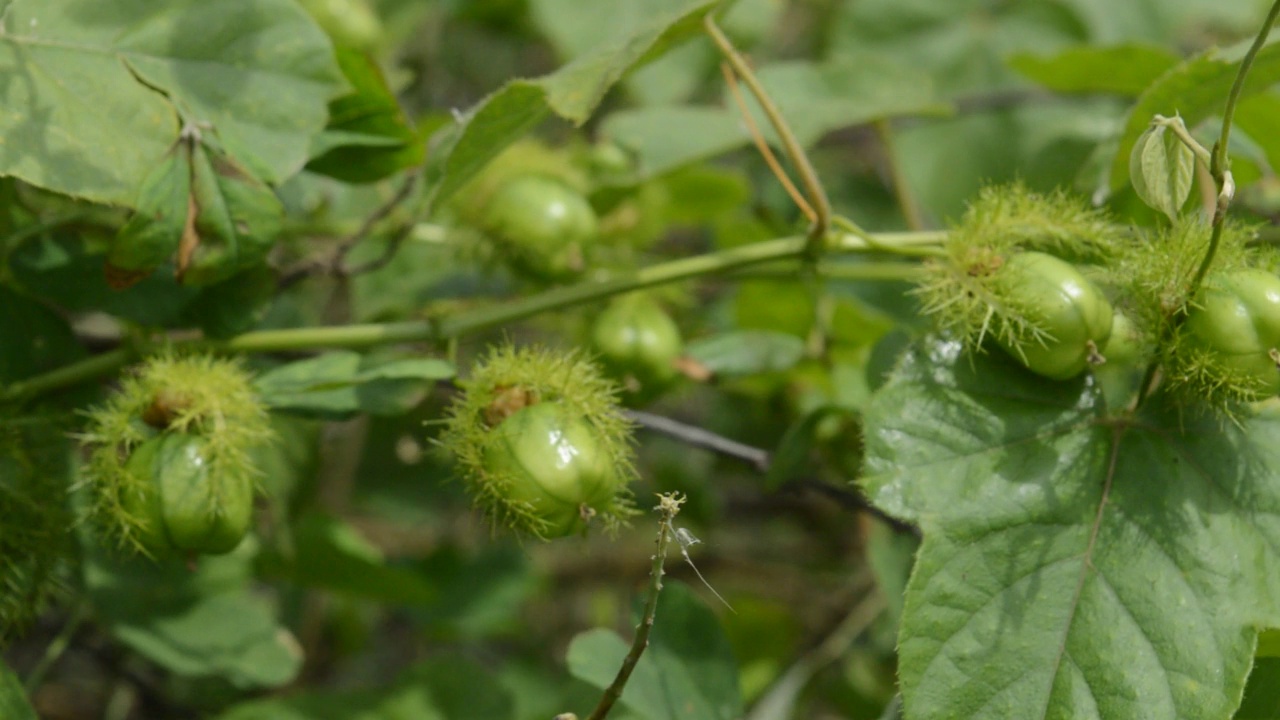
x=1073 y=565
x=93 y=90
x=1196 y=90
x=687 y=672
x=572 y=92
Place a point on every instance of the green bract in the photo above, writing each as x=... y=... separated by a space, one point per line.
x=1065 y=319
x=553 y=461
x=638 y=343
x=539 y=439
x=1233 y=325
x=182 y=502
x=542 y=225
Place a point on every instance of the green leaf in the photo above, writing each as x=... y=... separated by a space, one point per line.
x=99 y=88
x=1072 y=566
x=330 y=554
x=1119 y=69
x=237 y=218
x=342 y=383
x=1161 y=168
x=746 y=352
x=150 y=238
x=1195 y=89
x=572 y=92
x=440 y=689
x=688 y=671
x=206 y=622
x=368 y=136
x=13 y=700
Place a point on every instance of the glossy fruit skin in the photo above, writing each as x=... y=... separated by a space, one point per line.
x=184 y=505
x=1236 y=319
x=638 y=343
x=554 y=463
x=1072 y=312
x=542 y=225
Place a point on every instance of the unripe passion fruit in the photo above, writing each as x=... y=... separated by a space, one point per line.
x=1235 y=323
x=638 y=343
x=543 y=224
x=183 y=502
x=541 y=444
x=1068 y=317
x=553 y=461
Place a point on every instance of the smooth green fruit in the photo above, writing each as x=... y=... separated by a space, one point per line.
x=638 y=343
x=553 y=464
x=183 y=504
x=1235 y=318
x=542 y=224
x=1071 y=313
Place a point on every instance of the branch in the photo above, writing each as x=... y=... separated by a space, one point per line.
x=760 y=461
x=470 y=321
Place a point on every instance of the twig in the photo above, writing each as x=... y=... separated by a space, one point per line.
x=795 y=152
x=697 y=437
x=668 y=506
x=760 y=461
x=335 y=265
x=762 y=145
x=906 y=199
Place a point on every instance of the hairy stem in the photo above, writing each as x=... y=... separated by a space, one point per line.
x=445 y=328
x=668 y=507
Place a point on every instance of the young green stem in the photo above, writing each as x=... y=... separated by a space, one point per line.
x=443 y=329
x=1220 y=169
x=1220 y=165
x=668 y=506
x=795 y=152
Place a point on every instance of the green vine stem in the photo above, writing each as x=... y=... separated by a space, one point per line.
x=54 y=651
x=1220 y=165
x=445 y=328
x=668 y=506
x=795 y=152
x=907 y=202
x=1220 y=169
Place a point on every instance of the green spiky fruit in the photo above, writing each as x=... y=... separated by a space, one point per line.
x=555 y=465
x=186 y=505
x=1067 y=319
x=171 y=464
x=541 y=443
x=1234 y=326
